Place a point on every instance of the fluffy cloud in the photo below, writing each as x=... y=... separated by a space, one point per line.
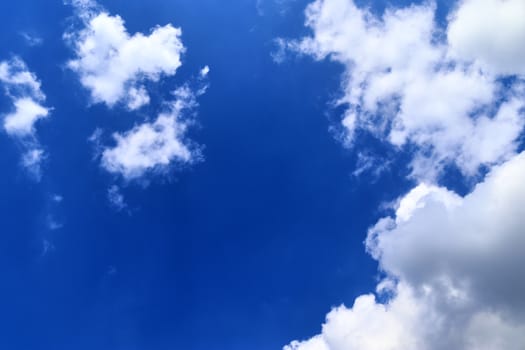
x=406 y=85
x=23 y=88
x=491 y=32
x=27 y=112
x=152 y=146
x=465 y=246
x=451 y=266
x=113 y=65
x=118 y=68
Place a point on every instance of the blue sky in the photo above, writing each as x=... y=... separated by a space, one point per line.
x=254 y=227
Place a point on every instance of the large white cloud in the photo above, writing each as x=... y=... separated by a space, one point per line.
x=453 y=266
x=113 y=64
x=153 y=146
x=491 y=32
x=24 y=90
x=404 y=84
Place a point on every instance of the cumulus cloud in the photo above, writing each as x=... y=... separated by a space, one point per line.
x=491 y=32
x=462 y=246
x=456 y=94
x=148 y=146
x=113 y=64
x=27 y=112
x=452 y=266
x=118 y=68
x=24 y=90
x=153 y=146
x=408 y=85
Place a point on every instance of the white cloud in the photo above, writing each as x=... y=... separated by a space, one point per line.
x=18 y=79
x=491 y=32
x=22 y=121
x=369 y=325
x=370 y=165
x=152 y=146
x=113 y=65
x=469 y=244
x=149 y=146
x=453 y=266
x=281 y=46
x=451 y=263
x=403 y=84
x=205 y=71
x=32 y=161
x=24 y=90
x=138 y=97
x=117 y=68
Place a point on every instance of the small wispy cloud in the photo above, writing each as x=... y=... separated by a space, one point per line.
x=47 y=247
x=31 y=39
x=57 y=198
x=281 y=7
x=370 y=165
x=116 y=198
x=24 y=90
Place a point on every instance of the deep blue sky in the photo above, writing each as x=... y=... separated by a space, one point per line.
x=247 y=249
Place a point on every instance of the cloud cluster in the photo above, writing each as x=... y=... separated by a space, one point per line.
x=113 y=65
x=451 y=270
x=406 y=83
x=455 y=258
x=24 y=90
x=118 y=68
x=451 y=264
x=152 y=146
